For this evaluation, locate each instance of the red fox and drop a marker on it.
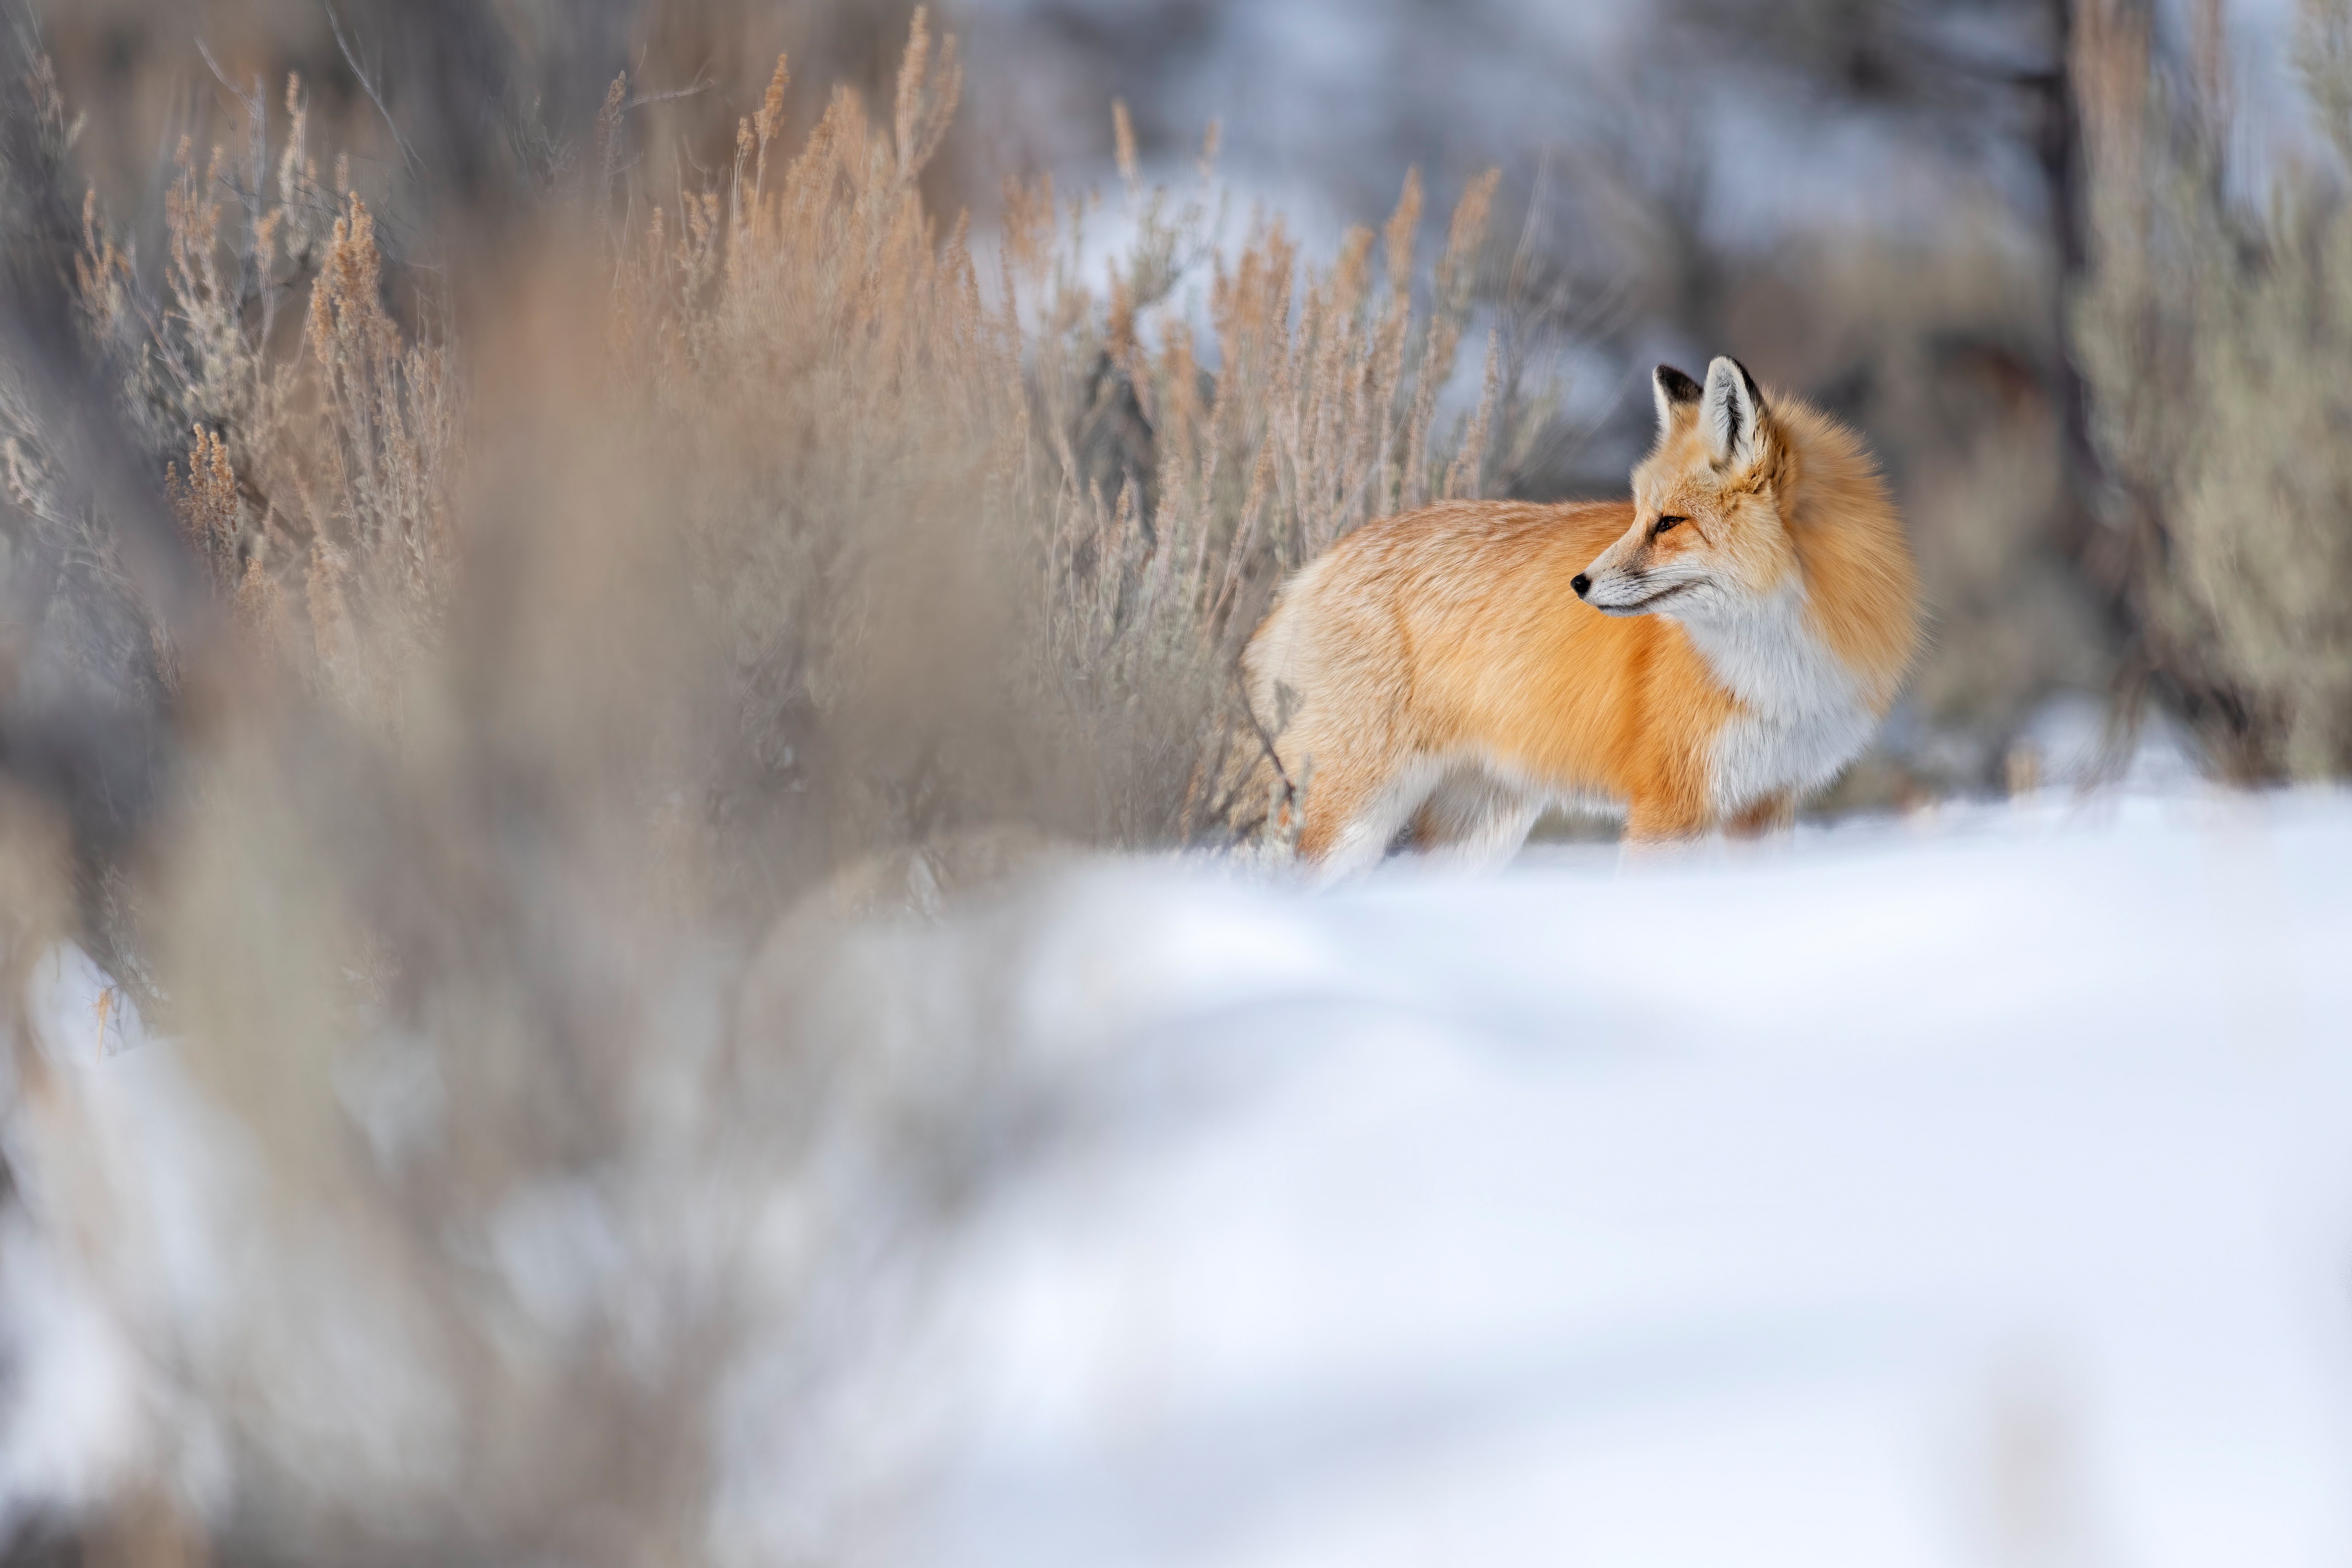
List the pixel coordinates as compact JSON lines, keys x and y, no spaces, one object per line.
{"x":1701,"y":655}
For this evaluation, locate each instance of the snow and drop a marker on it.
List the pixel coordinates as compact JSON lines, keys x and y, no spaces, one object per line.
{"x":1970,"y":1188}
{"x":1978,"y":1191}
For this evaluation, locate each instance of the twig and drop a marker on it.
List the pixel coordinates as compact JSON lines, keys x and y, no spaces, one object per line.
{"x":351,"y":58}
{"x":219,"y":74}
{"x":257,"y":122}
{"x":698,"y":88}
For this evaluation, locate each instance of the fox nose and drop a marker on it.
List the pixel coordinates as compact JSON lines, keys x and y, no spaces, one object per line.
{"x":1580,"y":583}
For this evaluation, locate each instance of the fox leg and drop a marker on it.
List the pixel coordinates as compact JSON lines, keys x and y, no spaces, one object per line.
{"x":1664,"y":819}
{"x":1773,"y":814}
{"x":1473,"y":820}
{"x":1355,"y":810}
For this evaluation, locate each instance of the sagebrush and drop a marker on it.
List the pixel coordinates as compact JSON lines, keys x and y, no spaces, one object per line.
{"x":552,"y":643}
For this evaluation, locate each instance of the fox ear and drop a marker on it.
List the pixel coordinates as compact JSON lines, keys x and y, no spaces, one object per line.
{"x":1732,"y":413}
{"x":1677,"y":396}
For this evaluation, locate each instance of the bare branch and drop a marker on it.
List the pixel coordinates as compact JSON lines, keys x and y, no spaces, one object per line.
{"x":367,"y":84}
{"x":695,"y":90}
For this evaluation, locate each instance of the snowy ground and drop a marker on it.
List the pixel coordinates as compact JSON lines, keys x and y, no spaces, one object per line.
{"x":1968,"y":1190}
{"x":1979,"y":1193}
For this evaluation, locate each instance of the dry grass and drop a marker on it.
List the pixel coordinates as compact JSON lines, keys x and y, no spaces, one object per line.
{"x":842,"y":391}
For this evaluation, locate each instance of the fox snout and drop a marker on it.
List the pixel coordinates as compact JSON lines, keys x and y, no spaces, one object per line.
{"x":1631,"y":590}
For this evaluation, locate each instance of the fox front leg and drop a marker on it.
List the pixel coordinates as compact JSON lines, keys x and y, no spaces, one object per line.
{"x":1773,"y":815}
{"x":1659,"y":820}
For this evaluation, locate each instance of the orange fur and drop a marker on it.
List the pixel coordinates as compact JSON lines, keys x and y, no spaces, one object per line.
{"x":1443,"y":674}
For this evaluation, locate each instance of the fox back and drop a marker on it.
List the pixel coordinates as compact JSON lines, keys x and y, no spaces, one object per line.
{"x":1702,"y":655}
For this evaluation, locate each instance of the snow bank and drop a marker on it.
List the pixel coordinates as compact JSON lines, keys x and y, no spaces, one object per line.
{"x":1971,"y":1189}
{"x":1978,"y":1191}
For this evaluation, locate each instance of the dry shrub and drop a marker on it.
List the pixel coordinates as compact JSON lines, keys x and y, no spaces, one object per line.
{"x":326,"y":441}
{"x":1321,"y":416}
{"x":2213,"y":327}
{"x":747,"y":532}
{"x":1014,"y":502}
{"x":1042,"y":513}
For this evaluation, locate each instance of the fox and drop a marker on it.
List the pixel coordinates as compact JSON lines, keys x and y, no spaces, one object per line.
{"x":1699,"y":657}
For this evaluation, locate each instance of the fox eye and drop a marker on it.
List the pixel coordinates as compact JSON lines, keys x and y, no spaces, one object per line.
{"x":1664,"y":524}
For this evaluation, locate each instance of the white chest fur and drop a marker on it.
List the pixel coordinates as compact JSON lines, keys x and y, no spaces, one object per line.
{"x":1804,"y":716}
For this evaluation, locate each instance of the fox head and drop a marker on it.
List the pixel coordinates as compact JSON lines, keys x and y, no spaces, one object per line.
{"x":1707,"y":534}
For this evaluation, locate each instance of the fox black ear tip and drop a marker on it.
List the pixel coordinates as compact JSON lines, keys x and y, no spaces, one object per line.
{"x":1678,"y":388}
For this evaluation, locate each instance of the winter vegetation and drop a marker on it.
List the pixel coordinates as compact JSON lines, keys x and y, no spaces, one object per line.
{"x":617,"y":734}
{"x":2209,"y":323}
